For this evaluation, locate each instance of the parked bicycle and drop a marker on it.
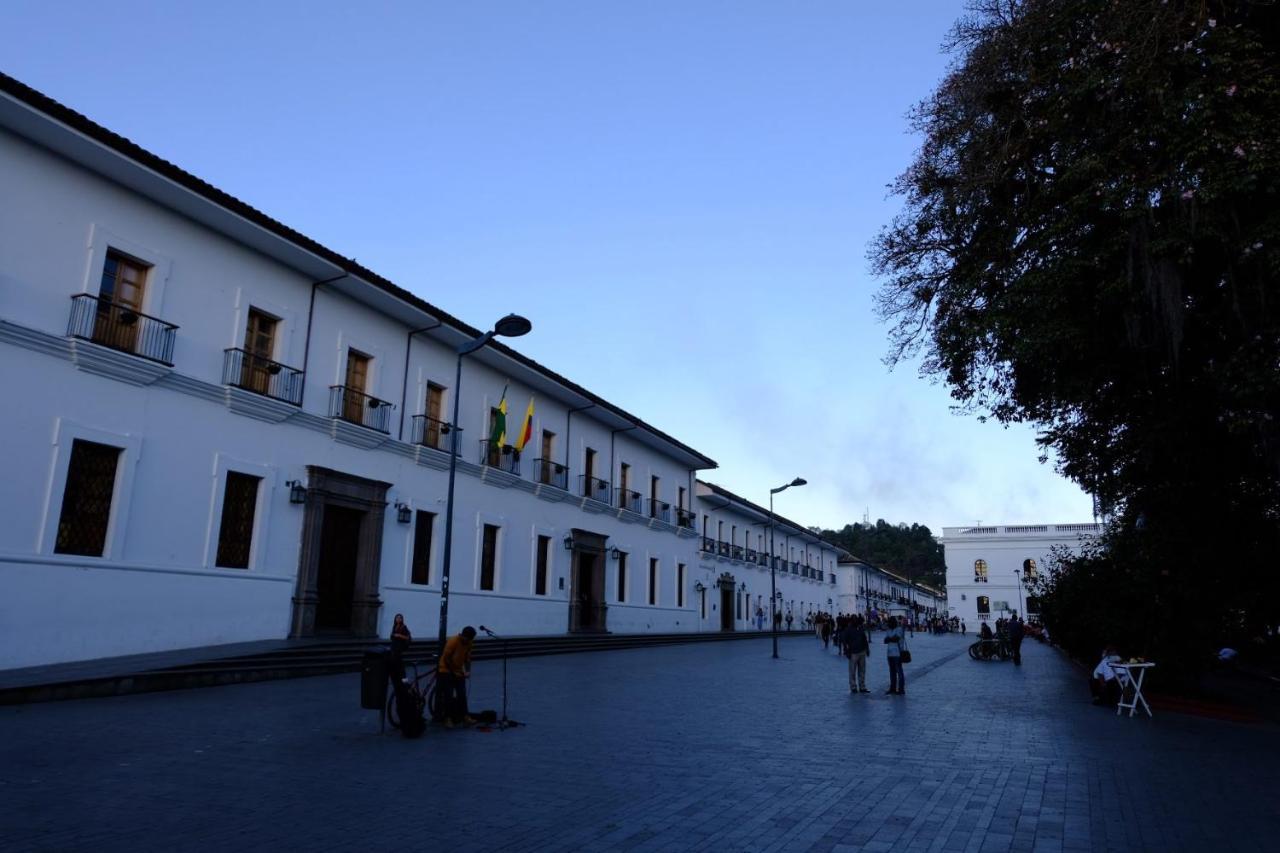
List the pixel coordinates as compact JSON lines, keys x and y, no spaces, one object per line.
{"x":422,"y":687}
{"x":995,"y":649}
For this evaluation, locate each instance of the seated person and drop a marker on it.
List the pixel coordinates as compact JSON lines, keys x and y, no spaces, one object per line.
{"x":1107,"y":683}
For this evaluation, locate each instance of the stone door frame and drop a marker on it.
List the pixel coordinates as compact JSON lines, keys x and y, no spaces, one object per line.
{"x":326,"y":487}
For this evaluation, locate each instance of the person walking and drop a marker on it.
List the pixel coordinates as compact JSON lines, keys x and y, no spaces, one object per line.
{"x":825,"y":631}
{"x":401,"y":637}
{"x":790,"y":618}
{"x":1017,"y":630}
{"x":893,"y":641}
{"x":856,"y":645}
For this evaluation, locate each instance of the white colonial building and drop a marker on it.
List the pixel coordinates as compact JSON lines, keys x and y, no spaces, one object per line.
{"x":219,"y":430}
{"x":872,"y":591}
{"x":987,"y":567}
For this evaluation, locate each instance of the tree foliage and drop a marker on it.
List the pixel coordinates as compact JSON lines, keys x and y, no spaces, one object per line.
{"x":908,"y":551}
{"x":1089,"y":243}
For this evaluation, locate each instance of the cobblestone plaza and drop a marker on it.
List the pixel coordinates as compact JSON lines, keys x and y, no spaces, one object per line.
{"x":706,"y":747}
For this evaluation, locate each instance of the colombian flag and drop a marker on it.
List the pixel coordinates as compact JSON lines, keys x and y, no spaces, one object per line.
{"x":526,"y":431}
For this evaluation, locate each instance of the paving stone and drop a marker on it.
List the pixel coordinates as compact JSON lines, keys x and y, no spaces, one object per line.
{"x":710,"y":747}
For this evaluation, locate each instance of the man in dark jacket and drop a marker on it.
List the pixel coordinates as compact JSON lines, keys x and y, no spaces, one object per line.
{"x":856,"y":644}
{"x":1016,"y":632}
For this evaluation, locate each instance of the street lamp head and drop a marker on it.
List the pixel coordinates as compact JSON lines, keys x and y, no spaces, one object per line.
{"x":799,"y":481}
{"x":512,"y":326}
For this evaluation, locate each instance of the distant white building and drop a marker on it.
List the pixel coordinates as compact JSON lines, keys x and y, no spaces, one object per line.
{"x":987,"y":566}
{"x":870,"y":590}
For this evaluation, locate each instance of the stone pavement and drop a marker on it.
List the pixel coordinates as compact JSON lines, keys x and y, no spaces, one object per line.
{"x":706,"y":747}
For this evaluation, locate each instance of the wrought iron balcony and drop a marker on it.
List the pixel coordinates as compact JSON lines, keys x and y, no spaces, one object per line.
{"x":751,"y":555}
{"x":243,"y":369}
{"x":551,"y":473}
{"x":433,"y":433}
{"x":685,"y":518}
{"x":594,"y":488}
{"x":736,"y":552}
{"x":503,"y":457}
{"x":357,"y":407}
{"x":660,"y":510}
{"x":630,"y":500}
{"x":708,"y":545}
{"x":105,"y":322}
{"x":722,"y":548}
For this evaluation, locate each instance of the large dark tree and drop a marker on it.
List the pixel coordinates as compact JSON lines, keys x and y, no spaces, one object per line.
{"x":909,"y":551}
{"x":1090,"y":243}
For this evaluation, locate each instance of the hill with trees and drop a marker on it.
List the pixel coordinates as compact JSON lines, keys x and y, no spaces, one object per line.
{"x":907,"y":550}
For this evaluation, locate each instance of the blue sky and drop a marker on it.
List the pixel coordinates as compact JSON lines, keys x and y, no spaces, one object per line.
{"x":679,"y":195}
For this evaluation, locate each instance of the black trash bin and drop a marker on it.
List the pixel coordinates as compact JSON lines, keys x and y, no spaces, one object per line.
{"x":373,"y":678}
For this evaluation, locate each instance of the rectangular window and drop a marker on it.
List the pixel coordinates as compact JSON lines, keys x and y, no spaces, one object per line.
{"x":120,"y":295}
{"x":653,"y":497}
{"x":653,"y":580}
{"x":353,"y":403}
{"x":488,"y":556}
{"x":737,"y":606}
{"x":680,"y":499}
{"x":433,"y":434}
{"x":423,"y":526}
{"x":235,"y":534}
{"x":86,"y":500}
{"x":622,"y":577}
{"x":259,"y":346}
{"x":702,"y":604}
{"x":544,"y":562}
{"x":589,"y":474}
{"x":680,"y":585}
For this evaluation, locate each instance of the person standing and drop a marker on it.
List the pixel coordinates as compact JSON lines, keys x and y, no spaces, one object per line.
{"x":1017,"y":630}
{"x":400,"y":640}
{"x":789,"y":620}
{"x":964,"y":629}
{"x":856,"y":645}
{"x":825,"y":631}
{"x":893,"y":642}
{"x":452,"y":675}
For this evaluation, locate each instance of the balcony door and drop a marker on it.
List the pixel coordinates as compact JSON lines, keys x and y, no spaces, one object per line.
{"x":435,"y":416}
{"x":259,"y":347}
{"x":357,"y":381}
{"x":120,"y":297}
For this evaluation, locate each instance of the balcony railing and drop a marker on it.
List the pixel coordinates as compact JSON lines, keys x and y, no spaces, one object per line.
{"x":736,"y":552}
{"x":357,"y":407}
{"x":722,"y":548}
{"x":751,"y":555}
{"x":551,"y":473}
{"x":660,"y":510}
{"x":433,"y":433}
{"x":503,"y":457}
{"x":104,"y":322}
{"x":631,"y":500}
{"x":685,"y":518}
{"x":260,"y":375}
{"x":708,"y":545}
{"x":594,"y":488}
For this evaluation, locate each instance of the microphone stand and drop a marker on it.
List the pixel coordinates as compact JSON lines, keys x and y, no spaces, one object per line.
{"x":503,"y":722}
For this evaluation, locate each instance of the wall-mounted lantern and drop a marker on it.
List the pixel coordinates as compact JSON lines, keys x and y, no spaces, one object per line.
{"x":698,"y":586}
{"x":614,"y":553}
{"x":568,"y":542}
{"x":403,"y":513}
{"x":297,"y":492}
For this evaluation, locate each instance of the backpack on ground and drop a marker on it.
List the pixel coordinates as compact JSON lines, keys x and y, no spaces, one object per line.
{"x":410,"y":705}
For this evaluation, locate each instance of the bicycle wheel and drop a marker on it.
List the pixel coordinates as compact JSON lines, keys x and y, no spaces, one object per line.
{"x":393,"y":715}
{"x":975,"y":651}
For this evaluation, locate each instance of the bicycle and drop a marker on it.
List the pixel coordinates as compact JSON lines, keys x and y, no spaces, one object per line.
{"x":996,"y":649}
{"x":422,"y":687}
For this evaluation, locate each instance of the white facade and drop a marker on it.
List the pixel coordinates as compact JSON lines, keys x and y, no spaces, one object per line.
{"x":986,"y":566}
{"x":141,"y":460}
{"x":873,"y":591}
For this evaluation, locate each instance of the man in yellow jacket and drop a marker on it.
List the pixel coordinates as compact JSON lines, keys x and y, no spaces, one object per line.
{"x":452,"y":675}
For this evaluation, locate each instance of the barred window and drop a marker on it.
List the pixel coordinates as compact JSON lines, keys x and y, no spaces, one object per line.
{"x":544,"y":559}
{"x":653,"y":580}
{"x":424,"y":523}
{"x":235,"y":534}
{"x":980,"y":571}
{"x":86,"y":499}
{"x":680,"y":585}
{"x":489,"y":557}
{"x":622,"y":577}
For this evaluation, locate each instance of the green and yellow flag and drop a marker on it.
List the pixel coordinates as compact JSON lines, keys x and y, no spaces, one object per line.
{"x":498,"y":435}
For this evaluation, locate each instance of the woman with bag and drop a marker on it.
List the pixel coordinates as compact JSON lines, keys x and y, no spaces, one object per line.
{"x":895,"y":642}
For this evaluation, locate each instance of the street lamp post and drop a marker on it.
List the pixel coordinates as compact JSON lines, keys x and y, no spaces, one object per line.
{"x":773,"y":565}
{"x":1021,"y":579}
{"x":510,"y":326}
